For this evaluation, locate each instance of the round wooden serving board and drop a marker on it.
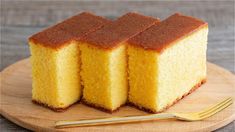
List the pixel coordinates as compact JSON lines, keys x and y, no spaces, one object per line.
{"x":16,"y":105}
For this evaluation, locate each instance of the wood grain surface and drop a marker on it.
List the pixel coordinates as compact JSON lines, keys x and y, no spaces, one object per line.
{"x":22,"y":18}
{"x":17,"y":106}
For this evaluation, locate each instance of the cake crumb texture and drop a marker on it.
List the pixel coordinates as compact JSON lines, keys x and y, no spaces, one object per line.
{"x":56,"y":79}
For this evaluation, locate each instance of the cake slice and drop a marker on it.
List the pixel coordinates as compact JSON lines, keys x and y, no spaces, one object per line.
{"x":166,"y":62}
{"x":103,"y":58}
{"x":55,"y":60}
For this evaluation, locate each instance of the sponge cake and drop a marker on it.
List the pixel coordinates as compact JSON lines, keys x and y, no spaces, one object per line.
{"x":167,"y":62}
{"x":104,"y":64}
{"x":55,"y":59}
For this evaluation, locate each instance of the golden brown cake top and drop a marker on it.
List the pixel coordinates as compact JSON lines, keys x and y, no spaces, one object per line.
{"x":163,"y":34}
{"x":73,"y":28}
{"x":125,"y":27}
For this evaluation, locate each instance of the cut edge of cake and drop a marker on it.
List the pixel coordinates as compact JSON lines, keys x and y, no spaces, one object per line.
{"x":106,"y":65}
{"x":57,"y":76}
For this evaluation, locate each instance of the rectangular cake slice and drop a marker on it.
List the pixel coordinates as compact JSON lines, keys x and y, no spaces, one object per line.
{"x":166,"y":62}
{"x":55,"y":60}
{"x":103,"y":58}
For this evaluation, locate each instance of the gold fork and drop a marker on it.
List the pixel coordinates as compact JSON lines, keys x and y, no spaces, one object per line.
{"x":194,"y":116}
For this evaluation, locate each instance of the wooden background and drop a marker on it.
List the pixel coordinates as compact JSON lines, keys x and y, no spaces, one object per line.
{"x":22,"y":18}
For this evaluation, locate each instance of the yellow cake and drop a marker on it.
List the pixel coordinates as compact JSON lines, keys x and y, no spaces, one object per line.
{"x":167,"y":62}
{"x":103,"y":58}
{"x":55,"y":60}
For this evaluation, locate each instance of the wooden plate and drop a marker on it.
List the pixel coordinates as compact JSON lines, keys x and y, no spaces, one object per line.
{"x":16,"y":105}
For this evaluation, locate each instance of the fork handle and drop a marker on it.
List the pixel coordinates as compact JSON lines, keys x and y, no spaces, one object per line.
{"x":112,"y":120}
